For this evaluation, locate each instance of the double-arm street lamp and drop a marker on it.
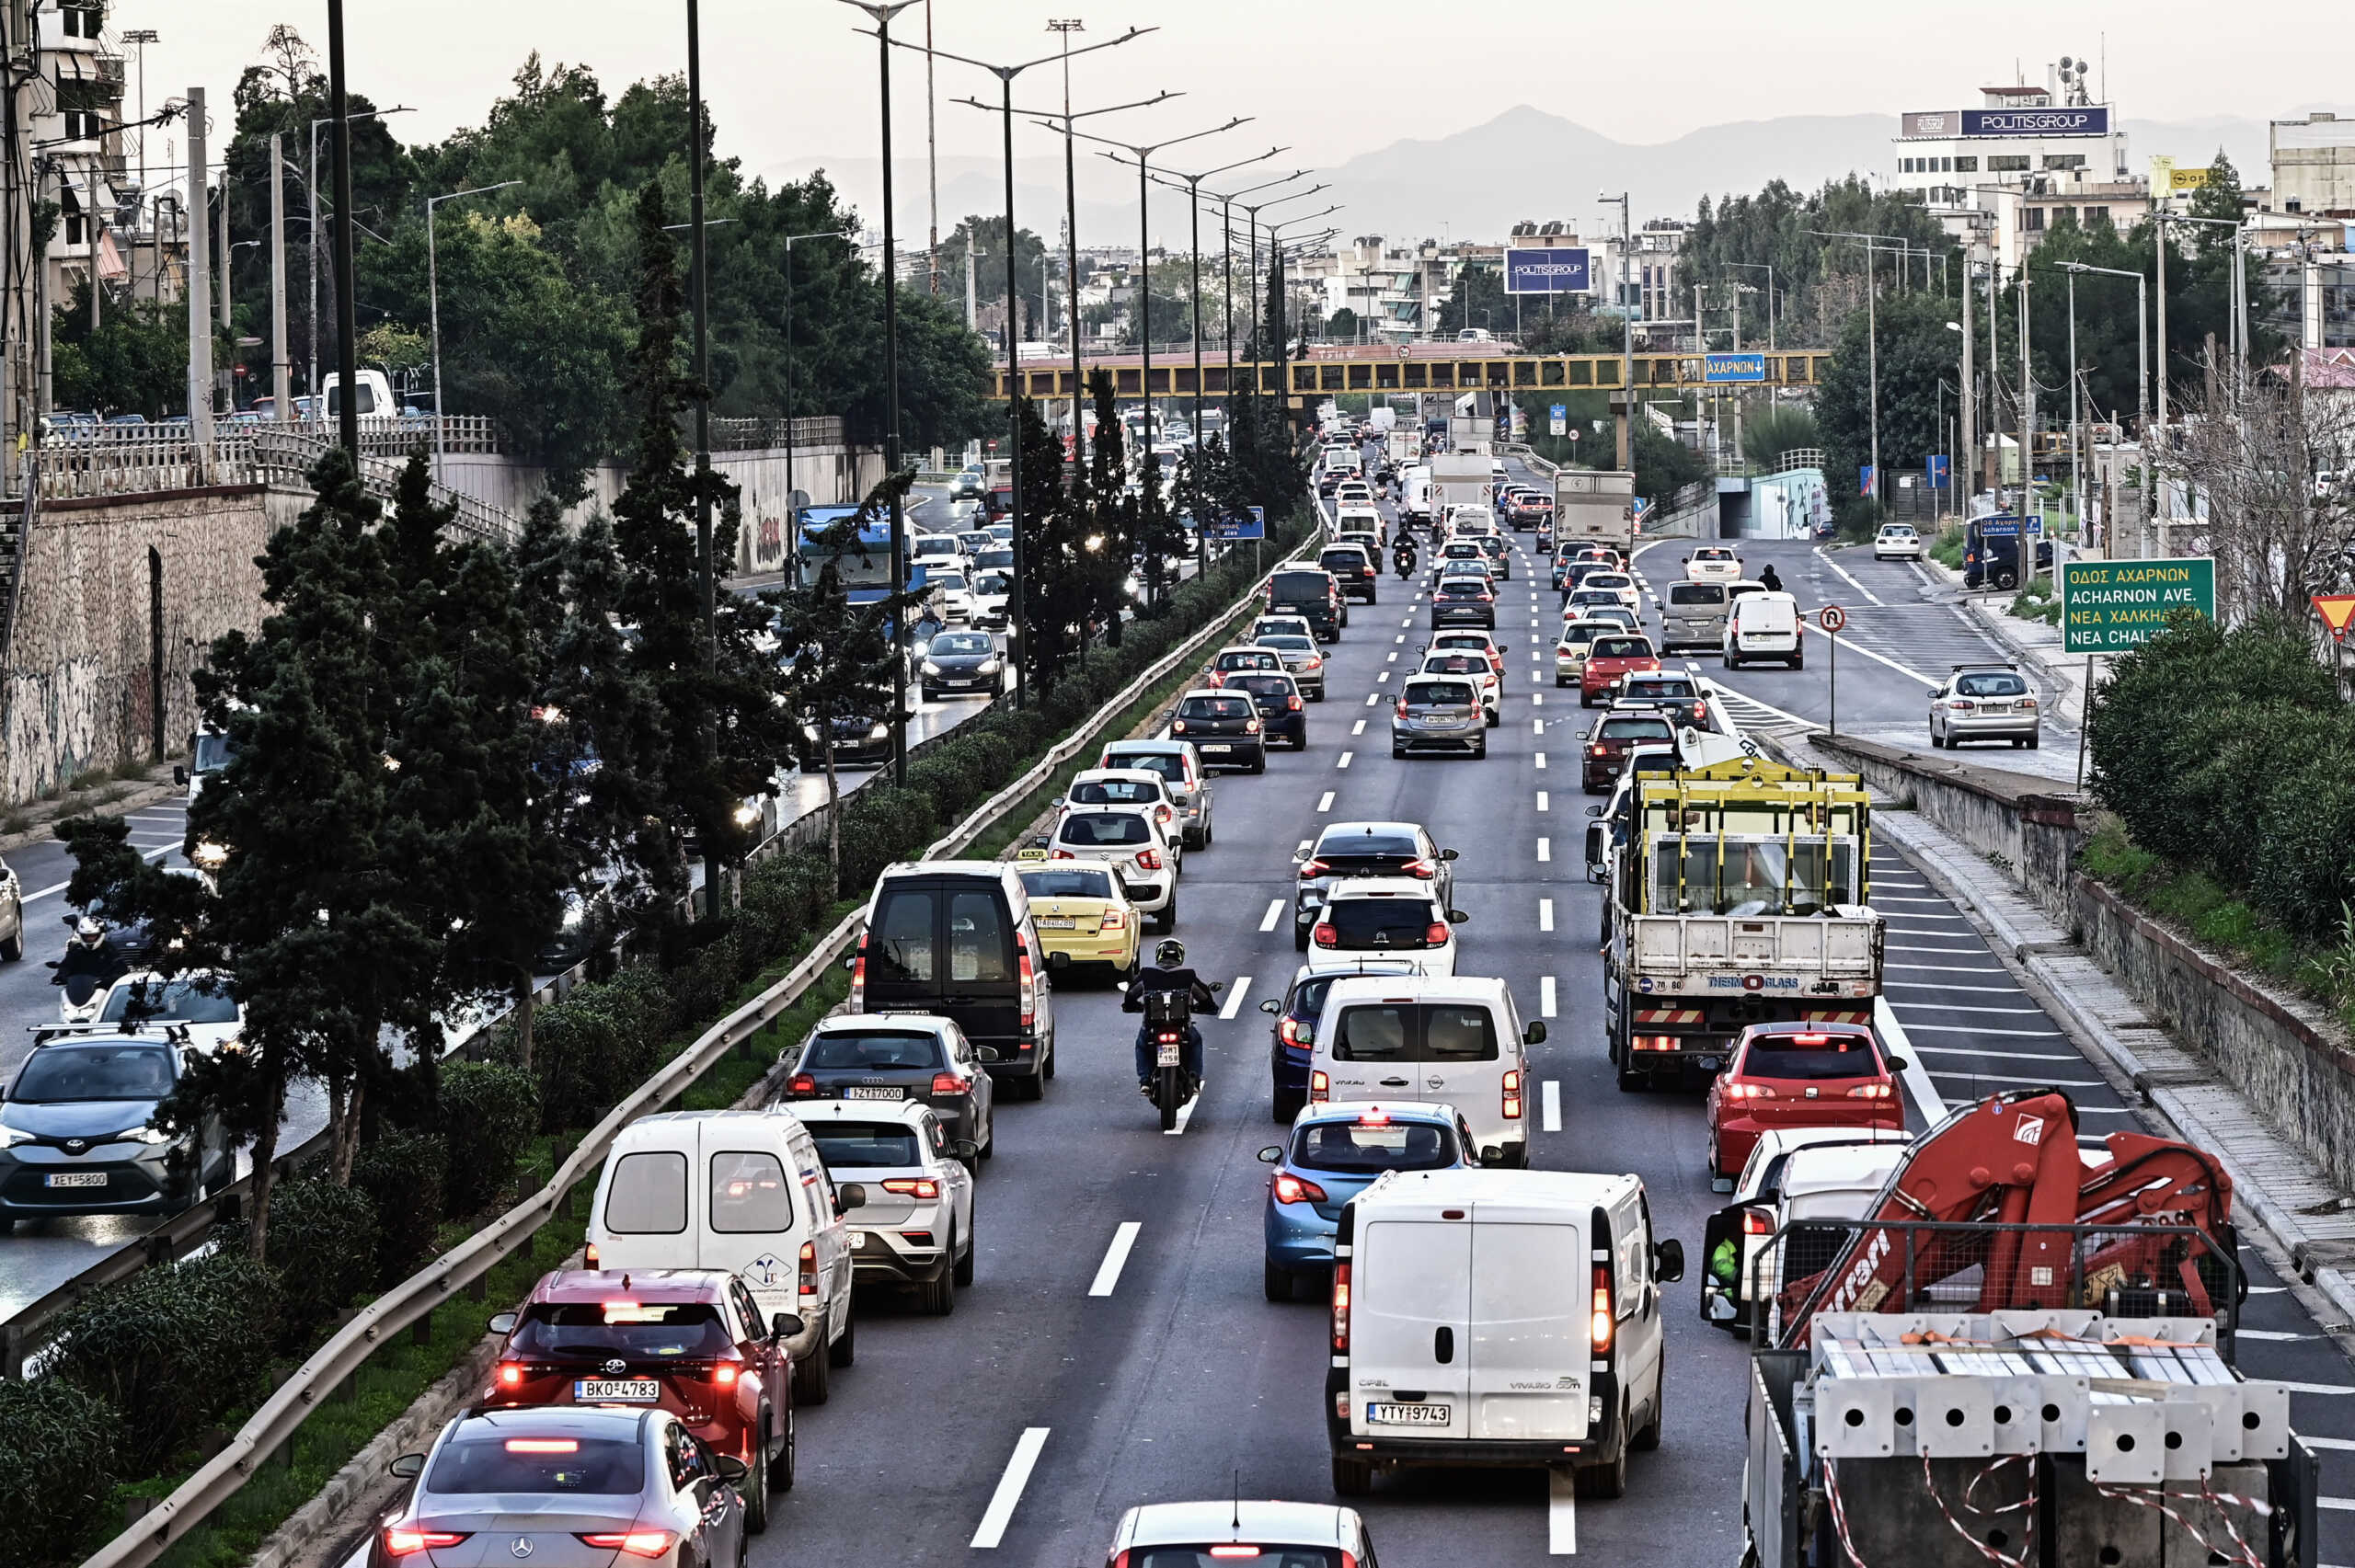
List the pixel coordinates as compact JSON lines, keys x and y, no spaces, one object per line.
{"x":433,"y":310}
{"x":1018,"y":620}
{"x":1251,"y":210}
{"x":1276,"y":248}
{"x":1226,"y":265}
{"x":1872,"y":338}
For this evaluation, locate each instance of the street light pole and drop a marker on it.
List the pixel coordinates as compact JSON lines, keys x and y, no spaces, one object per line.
{"x":792,"y":508}
{"x":1627,"y":336}
{"x":347,"y":351}
{"x":1226,"y":243}
{"x":2142,"y":357}
{"x":1251,"y":211}
{"x":433,"y":309}
{"x":1193,"y":185}
{"x":700,"y":273}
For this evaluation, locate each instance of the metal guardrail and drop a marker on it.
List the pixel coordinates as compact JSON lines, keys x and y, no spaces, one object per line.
{"x":292,"y":1403}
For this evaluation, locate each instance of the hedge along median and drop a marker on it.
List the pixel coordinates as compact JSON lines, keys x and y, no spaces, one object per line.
{"x":439,"y":1162}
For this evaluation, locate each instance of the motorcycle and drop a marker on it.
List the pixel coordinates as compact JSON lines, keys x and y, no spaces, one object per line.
{"x":1405,"y":565}
{"x":1168,"y":1015}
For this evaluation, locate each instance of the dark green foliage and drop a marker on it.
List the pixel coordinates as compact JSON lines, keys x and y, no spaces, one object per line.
{"x":1817,"y":280}
{"x":1916,"y":349}
{"x":324,"y":1248}
{"x":403,"y":1174}
{"x":57,"y":1465}
{"x":881,"y":825}
{"x":489,"y":1112}
{"x":172,"y":1347}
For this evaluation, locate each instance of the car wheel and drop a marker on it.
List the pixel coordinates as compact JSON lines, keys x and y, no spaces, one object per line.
{"x":1048,"y":1070}
{"x":781,"y":1468}
{"x":1481,"y":751}
{"x":1300,"y":932}
{"x":755,"y":1490}
{"x":845,"y":1351}
{"x":2033,"y":742}
{"x":13,"y":949}
{"x":1260,"y":762}
{"x":1560,"y":682}
{"x":1195,"y":839}
{"x":963,"y":1269}
{"x":939,"y":1296}
{"x":1351,"y":1478}
{"x":1798,"y":661}
{"x":1609,"y":1479}
{"x":813,"y":1375}
{"x":1166,"y":922}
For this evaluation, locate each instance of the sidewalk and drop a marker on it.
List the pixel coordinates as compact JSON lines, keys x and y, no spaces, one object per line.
{"x":2276,"y":1186}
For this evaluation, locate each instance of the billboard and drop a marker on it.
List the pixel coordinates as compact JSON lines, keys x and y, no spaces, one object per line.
{"x":1931,"y":122}
{"x":2088,"y":120}
{"x":1565,"y":270}
{"x":1744,"y":367}
{"x":1251,"y":522}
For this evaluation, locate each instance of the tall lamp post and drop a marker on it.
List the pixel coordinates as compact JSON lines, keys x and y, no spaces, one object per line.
{"x":2142,"y":355}
{"x":1193,"y":187}
{"x":311,"y":187}
{"x":1251,"y":210}
{"x":1626,"y":421}
{"x":1276,"y":248}
{"x":1018,"y":620}
{"x":1872,"y":337}
{"x":881,"y":12}
{"x":792,"y":508}
{"x":1226,"y":265}
{"x":433,"y":310}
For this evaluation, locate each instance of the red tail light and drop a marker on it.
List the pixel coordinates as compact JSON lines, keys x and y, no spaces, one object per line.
{"x":725,"y":1373}
{"x":1512,"y":1095}
{"x":1435,"y":935}
{"x":1318,"y":867}
{"x":1162,"y":815}
{"x":1320,"y":1088}
{"x":1061,"y":854}
{"x":1599,"y":749}
{"x":1402,"y":708}
{"x":636,"y":1543}
{"x":1324,"y":935}
{"x":1251,"y":727}
{"x":1873,"y":1092}
{"x":1178,"y":727}
{"x":1341,"y":1308}
{"x":400,"y":1540}
{"x":589,"y":1256}
{"x":1293,"y":704}
{"x":1700,"y":713}
{"x":858,"y":978}
{"x":1603,"y":1318}
{"x":510,"y":1374}
{"x":1289,"y":1188}
{"x":912,"y":1186}
{"x":1218,"y":678}
{"x":1421,"y":869}
{"x":1027,"y":974}
{"x":950,"y":1084}
{"x":1754,"y":1223}
{"x":1962,"y":704}
{"x":809,"y":1269}
{"x":2027,"y":702}
{"x":801,"y":1083}
{"x":1748,"y":1092}
{"x":1148,"y":860}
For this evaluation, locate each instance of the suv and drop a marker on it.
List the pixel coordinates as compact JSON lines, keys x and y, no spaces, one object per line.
{"x":916,"y":1227}
{"x":77,"y":1133}
{"x":1130,"y":840}
{"x":1281,"y":717}
{"x":1615,"y":734}
{"x":1438,"y":713}
{"x":1676,"y":697}
{"x":1309,"y":591}
{"x":1293,"y":1039}
{"x":906,"y":1059}
{"x":689,"y":1341}
{"x":1353,"y":569}
{"x":1384,"y":917}
{"x":953,"y":938}
{"x":1181,"y":772}
{"x":1346,"y":851}
{"x":1464,"y":601}
{"x":1223,"y":727}
{"x":1985,"y":702}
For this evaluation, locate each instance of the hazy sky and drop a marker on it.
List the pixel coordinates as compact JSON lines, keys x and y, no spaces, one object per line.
{"x":791,"y":83}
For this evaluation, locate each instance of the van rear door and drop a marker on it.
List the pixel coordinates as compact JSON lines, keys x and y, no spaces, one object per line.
{"x":1531,"y":1279}
{"x":756,"y":1206}
{"x":1375,"y":1049}
{"x":1461,"y":1061}
{"x":982,"y":988}
{"x":1409,"y":1311}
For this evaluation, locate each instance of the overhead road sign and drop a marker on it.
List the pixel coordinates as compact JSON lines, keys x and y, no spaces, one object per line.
{"x":1562,"y":269}
{"x":1250,"y":522}
{"x":1716,"y":369}
{"x":2113,"y":606}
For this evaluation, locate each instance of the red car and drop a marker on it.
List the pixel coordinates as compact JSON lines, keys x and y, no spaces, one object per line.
{"x":1796,"y":1075}
{"x":1609,"y":657}
{"x":689,"y":1341}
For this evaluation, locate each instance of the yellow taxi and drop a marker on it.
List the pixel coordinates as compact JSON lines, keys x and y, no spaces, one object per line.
{"x":1082,"y":915}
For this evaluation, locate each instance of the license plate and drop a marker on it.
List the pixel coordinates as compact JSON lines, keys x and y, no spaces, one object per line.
{"x":959,"y":680}
{"x":1994,"y":707}
{"x":1217,"y":749}
{"x":862,"y":1091}
{"x":855,"y":1237}
{"x":77,"y":1179}
{"x":611,"y":1390}
{"x":1167,"y":1056}
{"x":1409,"y":1415}
{"x":1057,"y":923}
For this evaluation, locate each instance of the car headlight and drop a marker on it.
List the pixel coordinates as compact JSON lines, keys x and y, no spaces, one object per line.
{"x":145,"y":1135}
{"x":989,"y":667}
{"x":576,"y":915}
{"x":11,"y":1135}
{"x":930,"y":668}
{"x":880,"y":732}
{"x":809,"y":733}
{"x":747,"y":814}
{"x":208,"y":855}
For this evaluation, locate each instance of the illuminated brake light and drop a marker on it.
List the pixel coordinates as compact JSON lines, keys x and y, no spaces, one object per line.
{"x":401,"y":1542}
{"x":950,"y":1084}
{"x":1324,"y":935}
{"x":1251,"y":727}
{"x":1289,"y":1188}
{"x":1291,"y":704}
{"x":589,"y":1256}
{"x":1375,"y":1118}
{"x":801,"y":1083}
{"x":857,"y":980}
{"x":1148,"y":860}
{"x":1873,"y":1092}
{"x":1178,"y":727}
{"x":1599,"y":749}
{"x":1748,"y":1092}
{"x":1435,"y":935}
{"x":912,"y":1186}
{"x":1318,"y":867}
{"x":1654,"y":1042}
{"x":1234,"y":1552}
{"x":1113,"y":921}
{"x":1029,"y":976}
{"x":1342,"y":1307}
{"x":1603,"y":1318}
{"x":809,"y":1269}
{"x":636,"y":1543}
{"x":1810,"y":1039}
{"x":1753,"y":1223}
{"x":510,"y":1374}
{"x":725,"y":1374}
{"x":1320,"y":1088}
{"x":543,"y":1445}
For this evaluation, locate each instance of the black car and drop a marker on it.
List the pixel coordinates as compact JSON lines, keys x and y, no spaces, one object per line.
{"x":1224,"y":727}
{"x":1283,"y":716}
{"x":1310,"y":592}
{"x":961,"y":664}
{"x":862,"y":739}
{"x":1676,"y":697}
{"x":1492,"y":545}
{"x":858,"y":1056}
{"x":1349,"y":850}
{"x":1463,"y":602}
{"x":1353,"y":569}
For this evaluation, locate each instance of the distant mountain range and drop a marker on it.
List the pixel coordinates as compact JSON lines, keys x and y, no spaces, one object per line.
{"x":1525,"y":164}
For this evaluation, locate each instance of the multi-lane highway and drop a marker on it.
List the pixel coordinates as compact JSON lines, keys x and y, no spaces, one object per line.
{"x":1116,"y":1347}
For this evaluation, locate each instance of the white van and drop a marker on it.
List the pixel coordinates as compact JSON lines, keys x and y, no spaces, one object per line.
{"x":1496,"y":1318}
{"x":1793,"y":1176}
{"x":1763,"y":625}
{"x":1415,"y":493}
{"x":743,"y":1191}
{"x":1457,"y":1039}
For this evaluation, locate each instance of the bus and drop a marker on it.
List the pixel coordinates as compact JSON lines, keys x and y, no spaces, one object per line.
{"x":866,"y":571}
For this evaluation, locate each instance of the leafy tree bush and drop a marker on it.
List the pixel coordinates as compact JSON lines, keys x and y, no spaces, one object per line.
{"x":489,"y":1112}
{"x":57,"y":1465}
{"x":324,"y":1255}
{"x":404,"y":1173}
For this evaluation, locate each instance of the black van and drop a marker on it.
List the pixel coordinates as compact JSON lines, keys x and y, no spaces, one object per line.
{"x":1312,"y":592}
{"x":953,"y":938}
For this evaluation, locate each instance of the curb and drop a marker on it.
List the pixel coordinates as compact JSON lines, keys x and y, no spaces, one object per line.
{"x":140,"y":797}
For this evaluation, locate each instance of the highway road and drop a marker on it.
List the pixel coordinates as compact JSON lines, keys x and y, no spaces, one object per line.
{"x":1084,"y":1372}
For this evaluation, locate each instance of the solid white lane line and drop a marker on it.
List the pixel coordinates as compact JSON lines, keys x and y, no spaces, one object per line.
{"x":1958,"y":1007}
{"x":1008,"y":1495}
{"x":1544,"y":802}
{"x":1852,"y":582}
{"x":1324,"y":801}
{"x":1275,"y":912}
{"x":1982,"y":1029}
{"x":1234,"y":995}
{"x":1927,"y":1098}
{"x":1943,"y":985}
{"x":1544,"y":849}
{"x":1949,"y":952}
{"x":1545,"y":914}
{"x":1185,"y":1112}
{"x":1358,"y":728}
{"x":1551,"y":1106}
{"x":2014,"y":1078}
{"x":1562,"y":1513}
{"x":50,"y":892}
{"x":2282,"y":1334}
{"x":1344,"y":760}
{"x":1948,"y":970}
{"x":1115,"y":1257}
{"x":1545,"y":997}
{"x":1541,"y":758}
{"x":1852,"y":644}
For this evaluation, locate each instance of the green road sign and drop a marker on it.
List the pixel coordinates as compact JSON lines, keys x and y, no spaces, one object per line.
{"x":2112,"y":606}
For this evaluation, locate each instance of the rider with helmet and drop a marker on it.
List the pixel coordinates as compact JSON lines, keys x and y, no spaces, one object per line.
{"x":89,"y":951}
{"x":1170,"y":973}
{"x":1403,"y":554}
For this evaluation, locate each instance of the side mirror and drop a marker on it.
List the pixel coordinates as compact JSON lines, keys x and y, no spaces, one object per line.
{"x":503,"y":1323}
{"x":1447,"y":854}
{"x":1056,"y":801}
{"x":408,"y":1467}
{"x":851,"y":962}
{"x":1504,"y":647}
{"x":1596,"y":809}
{"x":1456,"y":917}
{"x":1270,"y":1154}
{"x":1899,"y":1064}
{"x":1299,"y":857}
{"x":179,"y":775}
{"x":850,"y":1195}
{"x":1668,"y":1261}
{"x":784,"y":1325}
{"x":1535,"y":1035}
{"x":731,"y":1469}
{"x":1272,"y":1007}
{"x":964,"y":1149}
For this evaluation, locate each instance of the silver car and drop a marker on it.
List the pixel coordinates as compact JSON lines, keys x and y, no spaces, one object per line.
{"x":1180,"y":767}
{"x":77,"y":1133}
{"x":1985,"y":702}
{"x":1304,"y":661}
{"x":567,"y":1486}
{"x":1438,"y":713}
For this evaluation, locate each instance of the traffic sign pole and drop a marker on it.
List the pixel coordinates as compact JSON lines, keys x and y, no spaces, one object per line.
{"x":1833,"y":618}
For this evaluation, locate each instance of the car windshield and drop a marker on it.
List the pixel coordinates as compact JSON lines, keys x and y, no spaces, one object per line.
{"x":1622,"y":648}
{"x":1060,"y":884}
{"x":1369,"y":1149}
{"x":1095,"y":830}
{"x":1290,"y":642}
{"x":1301,"y":585}
{"x":987,"y":583}
{"x":1456,"y":664}
{"x":597,"y":1467}
{"x":1267,"y":686}
{"x":866,"y":1145}
{"x":1349,"y":560}
{"x":649,"y":1330}
{"x":998,"y":560}
{"x":955,"y":643}
{"x":2002,"y":685}
{"x":1361,"y":842}
{"x":953,"y":581}
{"x":1581,"y":632}
{"x":875,"y":1049}
{"x":1115,"y":792}
{"x":66,"y":1075}
{"x":1697,"y":593}
{"x":1660,"y":686}
{"x":169,"y":1002}
{"x":1630,"y":728}
{"x":1214,"y":707}
{"x":1812,"y":1056}
{"x":1438,"y":693}
{"x":1255,"y":659}
{"x":1169,"y":764}
{"x":1380,"y":923}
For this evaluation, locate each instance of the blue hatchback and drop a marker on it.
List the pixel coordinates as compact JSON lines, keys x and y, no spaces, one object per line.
{"x":1293,"y":1039}
{"x":1334,"y":1154}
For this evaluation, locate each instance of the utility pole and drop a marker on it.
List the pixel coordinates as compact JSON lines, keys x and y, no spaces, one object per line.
{"x":281,"y":358}
{"x":200,"y":311}
{"x":140,"y":38}
{"x":1627,"y":339}
{"x":1968,"y":411}
{"x":973,"y":253}
{"x":346,"y":350}
{"x":2027,"y":407}
{"x":931,"y":158}
{"x":701,"y":284}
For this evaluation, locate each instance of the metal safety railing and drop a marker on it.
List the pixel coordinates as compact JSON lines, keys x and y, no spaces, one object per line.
{"x":288,"y":1406}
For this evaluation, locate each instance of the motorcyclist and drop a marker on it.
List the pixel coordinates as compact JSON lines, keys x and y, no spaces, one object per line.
{"x":1170,"y":973}
{"x":1403,"y":553}
{"x":89,"y":951}
{"x":1772,"y":584}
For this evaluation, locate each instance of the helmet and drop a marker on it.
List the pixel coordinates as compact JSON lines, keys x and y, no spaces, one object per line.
{"x":89,"y":932}
{"x":1169,"y":954}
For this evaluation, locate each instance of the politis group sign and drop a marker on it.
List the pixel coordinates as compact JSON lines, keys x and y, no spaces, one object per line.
{"x":2112,"y":606}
